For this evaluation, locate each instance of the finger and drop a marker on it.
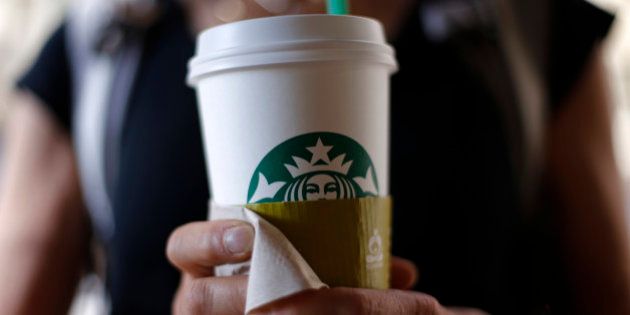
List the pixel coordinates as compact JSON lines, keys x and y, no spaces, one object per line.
{"x":183,"y":282}
{"x":214,"y":295}
{"x":324,"y":301}
{"x":361,"y":301}
{"x":404,"y":274}
{"x":197,"y":247}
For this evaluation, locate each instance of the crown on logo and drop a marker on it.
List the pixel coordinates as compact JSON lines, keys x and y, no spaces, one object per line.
{"x":320,"y":153}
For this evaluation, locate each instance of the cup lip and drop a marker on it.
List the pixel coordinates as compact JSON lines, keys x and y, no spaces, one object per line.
{"x":369,"y":46}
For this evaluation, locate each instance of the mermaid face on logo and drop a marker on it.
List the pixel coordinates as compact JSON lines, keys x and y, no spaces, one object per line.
{"x":322,"y":187}
{"x":296,"y":176}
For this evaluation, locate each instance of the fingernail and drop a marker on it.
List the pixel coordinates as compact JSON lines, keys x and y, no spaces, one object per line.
{"x":239,"y":239}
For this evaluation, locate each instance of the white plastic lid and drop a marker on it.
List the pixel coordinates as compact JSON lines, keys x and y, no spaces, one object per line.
{"x":290,"y":39}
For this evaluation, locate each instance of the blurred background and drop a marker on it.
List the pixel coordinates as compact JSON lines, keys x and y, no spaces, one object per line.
{"x":25,"y":24}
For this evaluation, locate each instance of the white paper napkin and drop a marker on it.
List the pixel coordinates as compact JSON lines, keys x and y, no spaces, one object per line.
{"x":276,"y":269}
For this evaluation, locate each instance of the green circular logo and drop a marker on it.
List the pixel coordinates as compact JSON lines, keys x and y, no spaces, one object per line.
{"x":314,"y":166}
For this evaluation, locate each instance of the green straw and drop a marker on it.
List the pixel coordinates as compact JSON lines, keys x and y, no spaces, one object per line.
{"x":338,"y":7}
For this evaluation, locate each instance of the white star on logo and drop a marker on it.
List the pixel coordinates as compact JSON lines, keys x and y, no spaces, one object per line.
{"x":265,"y":189}
{"x":367,"y":183}
{"x":320,"y":152}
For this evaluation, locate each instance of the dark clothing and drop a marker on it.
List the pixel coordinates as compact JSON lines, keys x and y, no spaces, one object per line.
{"x":50,"y":77}
{"x":458,"y":213}
{"x":576,"y":28}
{"x":162,"y":177}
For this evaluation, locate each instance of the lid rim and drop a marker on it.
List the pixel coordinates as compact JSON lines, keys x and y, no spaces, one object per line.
{"x":310,"y":45}
{"x":210,"y":68}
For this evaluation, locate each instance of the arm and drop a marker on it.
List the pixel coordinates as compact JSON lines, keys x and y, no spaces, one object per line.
{"x":586,"y":181}
{"x":43,"y":228}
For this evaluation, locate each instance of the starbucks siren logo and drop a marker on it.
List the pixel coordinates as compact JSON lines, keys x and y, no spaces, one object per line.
{"x":314,"y":166}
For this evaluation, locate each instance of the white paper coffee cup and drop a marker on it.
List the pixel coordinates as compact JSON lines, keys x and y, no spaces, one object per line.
{"x":294,"y":108}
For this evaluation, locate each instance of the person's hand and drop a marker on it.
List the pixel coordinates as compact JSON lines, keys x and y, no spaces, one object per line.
{"x":197,"y":248}
{"x":208,"y":13}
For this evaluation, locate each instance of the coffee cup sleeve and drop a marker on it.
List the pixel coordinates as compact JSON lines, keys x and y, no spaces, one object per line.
{"x":308,"y":245}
